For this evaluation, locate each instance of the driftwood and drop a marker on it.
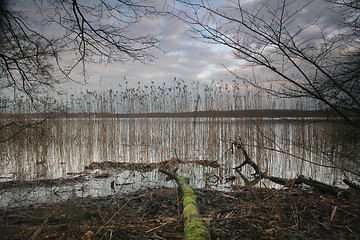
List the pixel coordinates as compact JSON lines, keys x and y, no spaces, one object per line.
{"x":325,"y":188}
{"x":194,"y":227}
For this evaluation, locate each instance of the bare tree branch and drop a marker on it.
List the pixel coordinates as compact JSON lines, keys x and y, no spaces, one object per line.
{"x":32,"y":58}
{"x":43,"y":44}
{"x":270,"y":37}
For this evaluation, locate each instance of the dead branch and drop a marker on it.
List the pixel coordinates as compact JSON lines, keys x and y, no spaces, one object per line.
{"x":284,"y":181}
{"x":38,"y":231}
{"x":239,"y":145}
{"x":351,"y":184}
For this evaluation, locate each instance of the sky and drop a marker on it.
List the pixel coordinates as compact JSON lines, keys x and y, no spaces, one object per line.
{"x":189,"y":59}
{"x":181,"y":56}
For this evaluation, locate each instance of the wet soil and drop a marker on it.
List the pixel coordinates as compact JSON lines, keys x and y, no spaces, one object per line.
{"x":245,"y":213}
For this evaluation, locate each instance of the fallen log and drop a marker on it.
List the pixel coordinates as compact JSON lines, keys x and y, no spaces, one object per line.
{"x":284,"y":181}
{"x":194,"y":227}
{"x":322,"y":187}
{"x":352,"y":184}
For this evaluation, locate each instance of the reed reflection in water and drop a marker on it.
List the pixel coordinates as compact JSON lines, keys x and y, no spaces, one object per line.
{"x":285,"y":148}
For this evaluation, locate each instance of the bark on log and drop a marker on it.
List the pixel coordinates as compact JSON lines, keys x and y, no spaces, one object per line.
{"x":352,"y":184}
{"x":284,"y":181}
{"x":194,"y":227}
{"x":322,"y":187}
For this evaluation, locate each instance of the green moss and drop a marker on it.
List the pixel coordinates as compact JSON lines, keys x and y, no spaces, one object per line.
{"x":183,"y":180}
{"x":187,"y":190}
{"x":195,"y":229}
{"x":190,"y":210}
{"x":188,"y":199}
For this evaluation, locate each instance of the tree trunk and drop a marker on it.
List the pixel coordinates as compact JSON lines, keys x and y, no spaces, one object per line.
{"x":194,"y":227}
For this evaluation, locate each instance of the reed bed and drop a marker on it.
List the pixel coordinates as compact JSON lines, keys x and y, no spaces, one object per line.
{"x":66,"y":144}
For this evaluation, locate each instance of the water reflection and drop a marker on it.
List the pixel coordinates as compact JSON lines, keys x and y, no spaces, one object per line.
{"x":65,"y":146}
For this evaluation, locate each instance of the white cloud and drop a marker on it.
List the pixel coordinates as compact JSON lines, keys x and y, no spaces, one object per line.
{"x":184,"y":57}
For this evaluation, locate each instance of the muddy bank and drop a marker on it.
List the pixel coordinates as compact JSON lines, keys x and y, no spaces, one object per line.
{"x":101,"y":179}
{"x":245,"y":213}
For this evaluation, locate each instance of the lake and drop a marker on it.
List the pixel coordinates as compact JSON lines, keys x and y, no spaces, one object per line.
{"x":62,"y":148}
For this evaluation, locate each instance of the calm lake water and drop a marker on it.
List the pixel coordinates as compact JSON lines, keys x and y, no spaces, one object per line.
{"x":63,"y":147}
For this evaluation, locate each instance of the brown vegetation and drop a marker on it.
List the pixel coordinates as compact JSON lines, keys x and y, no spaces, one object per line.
{"x":249,"y":213}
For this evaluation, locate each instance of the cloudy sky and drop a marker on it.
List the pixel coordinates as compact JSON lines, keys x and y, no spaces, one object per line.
{"x":184,"y":57}
{"x":180,"y":56}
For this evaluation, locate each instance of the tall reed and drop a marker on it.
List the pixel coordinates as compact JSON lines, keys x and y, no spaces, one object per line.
{"x":94,"y":132}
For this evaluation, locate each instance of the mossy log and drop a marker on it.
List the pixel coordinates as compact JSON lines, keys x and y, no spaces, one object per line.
{"x":194,"y":227}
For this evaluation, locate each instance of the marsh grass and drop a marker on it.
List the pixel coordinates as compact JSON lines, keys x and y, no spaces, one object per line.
{"x":66,"y":144}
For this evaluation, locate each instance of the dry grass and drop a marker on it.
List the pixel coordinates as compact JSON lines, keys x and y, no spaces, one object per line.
{"x":68,"y":144}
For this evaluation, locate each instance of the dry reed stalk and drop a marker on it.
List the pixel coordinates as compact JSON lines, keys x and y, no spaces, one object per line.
{"x":40,"y":228}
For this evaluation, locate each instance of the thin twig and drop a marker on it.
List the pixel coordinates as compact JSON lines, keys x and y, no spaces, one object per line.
{"x":38,"y":231}
{"x":156,"y":227}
